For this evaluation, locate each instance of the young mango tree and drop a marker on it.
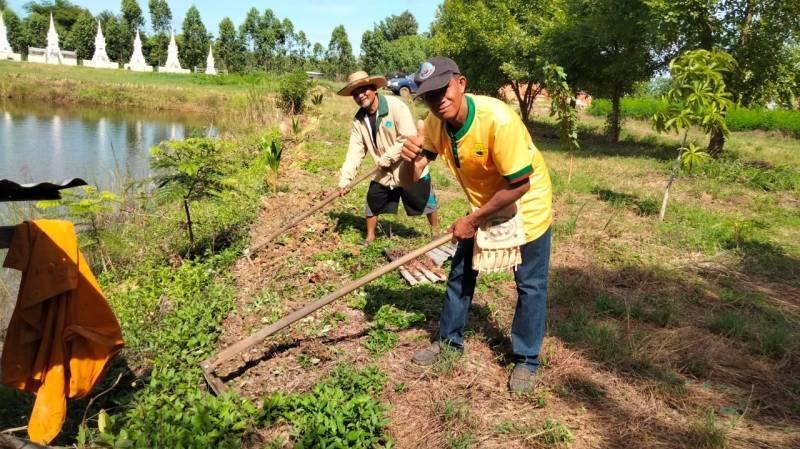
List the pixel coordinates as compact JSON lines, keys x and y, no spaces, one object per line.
{"x":190,"y":170}
{"x":696,"y":98}
{"x":562,"y":108}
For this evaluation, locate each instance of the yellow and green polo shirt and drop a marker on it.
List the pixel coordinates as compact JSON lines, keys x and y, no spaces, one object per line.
{"x":492,"y":148}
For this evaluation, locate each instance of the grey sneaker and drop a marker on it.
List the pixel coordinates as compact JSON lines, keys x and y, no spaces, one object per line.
{"x":522,"y":380}
{"x":427,"y":356}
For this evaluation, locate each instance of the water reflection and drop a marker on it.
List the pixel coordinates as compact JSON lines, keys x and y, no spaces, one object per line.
{"x":105,"y":147}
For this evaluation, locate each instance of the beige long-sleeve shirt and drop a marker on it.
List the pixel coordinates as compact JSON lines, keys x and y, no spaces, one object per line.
{"x":394,"y":123}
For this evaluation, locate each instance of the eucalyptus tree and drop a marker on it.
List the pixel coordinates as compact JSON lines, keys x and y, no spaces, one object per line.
{"x":339,"y":56}
{"x":394,"y":45}
{"x":194,"y":50}
{"x":230,"y":49}
{"x":132,"y":14}
{"x":161,"y":23}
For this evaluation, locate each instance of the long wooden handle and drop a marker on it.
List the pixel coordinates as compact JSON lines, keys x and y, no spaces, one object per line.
{"x":293,"y":222}
{"x":243,"y":345}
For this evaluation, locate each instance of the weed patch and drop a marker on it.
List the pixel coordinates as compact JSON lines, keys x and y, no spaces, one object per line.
{"x":706,"y":433}
{"x":339,"y":412}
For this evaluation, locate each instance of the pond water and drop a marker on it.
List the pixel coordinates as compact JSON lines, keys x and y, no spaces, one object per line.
{"x":106,"y":147}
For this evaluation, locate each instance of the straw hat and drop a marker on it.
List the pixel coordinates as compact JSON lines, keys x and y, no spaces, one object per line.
{"x":361,"y":78}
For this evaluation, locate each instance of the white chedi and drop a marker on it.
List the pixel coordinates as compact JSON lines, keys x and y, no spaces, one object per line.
{"x":137,"y":62}
{"x":210,"y":69}
{"x":53,"y":53}
{"x":173,"y":65}
{"x":100,"y":59}
{"x":6,"y":52}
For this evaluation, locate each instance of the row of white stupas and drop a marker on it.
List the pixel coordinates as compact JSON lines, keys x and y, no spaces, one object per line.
{"x":100,"y":60}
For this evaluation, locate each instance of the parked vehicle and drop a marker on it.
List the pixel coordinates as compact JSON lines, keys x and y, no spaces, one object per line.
{"x":402,"y":85}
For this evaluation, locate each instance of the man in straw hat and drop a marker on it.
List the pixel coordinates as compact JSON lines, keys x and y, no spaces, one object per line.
{"x":379,"y":129}
{"x":505,"y":179}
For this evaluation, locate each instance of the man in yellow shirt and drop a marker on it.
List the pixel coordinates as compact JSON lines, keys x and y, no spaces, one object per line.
{"x":489,"y":150}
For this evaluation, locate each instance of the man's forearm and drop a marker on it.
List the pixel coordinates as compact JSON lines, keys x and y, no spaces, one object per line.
{"x":501,"y":199}
{"x":410,"y":172}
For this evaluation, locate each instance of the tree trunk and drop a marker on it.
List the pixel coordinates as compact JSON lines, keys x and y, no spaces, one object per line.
{"x":614,"y":119}
{"x":716,"y":143}
{"x":675,"y":166}
{"x":188,"y":221}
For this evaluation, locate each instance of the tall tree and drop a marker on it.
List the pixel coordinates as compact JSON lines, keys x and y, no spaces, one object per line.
{"x":340,"y":52}
{"x":757,"y":33}
{"x":393,"y":45}
{"x":394,"y":27}
{"x":132,"y":14}
{"x":15,"y":30}
{"x":496,"y":43}
{"x":230,"y":49}
{"x":160,"y":16}
{"x":318,"y":56}
{"x":81,"y":37}
{"x":119,"y":38}
{"x":249,"y":28}
{"x":65,"y":13}
{"x":195,"y":40}
{"x":269,"y":37}
{"x":606,"y":47}
{"x":36,"y":26}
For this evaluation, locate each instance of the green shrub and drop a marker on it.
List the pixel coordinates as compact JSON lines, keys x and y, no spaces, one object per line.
{"x":293,"y":90}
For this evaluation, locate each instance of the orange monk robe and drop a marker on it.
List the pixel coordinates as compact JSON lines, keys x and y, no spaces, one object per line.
{"x":62,"y":333}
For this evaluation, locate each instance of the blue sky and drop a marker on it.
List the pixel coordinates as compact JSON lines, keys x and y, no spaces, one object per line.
{"x":316,"y":18}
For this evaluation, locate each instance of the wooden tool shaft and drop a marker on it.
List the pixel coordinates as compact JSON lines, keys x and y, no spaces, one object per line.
{"x":243,"y":345}
{"x":293,"y":222}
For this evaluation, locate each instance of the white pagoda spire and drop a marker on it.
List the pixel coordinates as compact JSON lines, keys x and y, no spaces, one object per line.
{"x":137,"y":62}
{"x":173,"y":65}
{"x":100,"y":59}
{"x":53,"y":54}
{"x":100,"y":54}
{"x":5,"y":47}
{"x":210,"y":69}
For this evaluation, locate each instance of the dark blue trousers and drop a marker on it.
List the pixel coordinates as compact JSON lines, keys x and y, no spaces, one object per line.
{"x":527,"y":330}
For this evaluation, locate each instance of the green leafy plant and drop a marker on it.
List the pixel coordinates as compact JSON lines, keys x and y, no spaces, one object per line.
{"x":87,"y":205}
{"x":340,"y":412}
{"x":380,"y":341}
{"x":561,"y":107}
{"x":271,"y":150}
{"x":697,"y":98}
{"x":189,"y":170}
{"x":316,"y":99}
